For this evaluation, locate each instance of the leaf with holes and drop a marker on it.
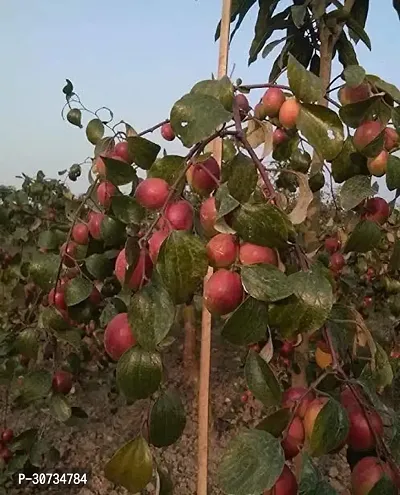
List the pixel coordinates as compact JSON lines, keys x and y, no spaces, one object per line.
{"x":305,"y":85}
{"x":167,"y":419}
{"x":142,"y":151}
{"x":265,"y":282}
{"x":261,"y":380}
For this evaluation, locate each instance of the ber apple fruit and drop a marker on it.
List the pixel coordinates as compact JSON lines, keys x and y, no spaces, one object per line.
{"x":377,"y":165}
{"x":223,"y":292}
{"x":57,"y":298}
{"x":121,"y":150}
{"x":377,"y":210}
{"x":179,"y":215}
{"x":80,"y":233}
{"x":259,"y":111}
{"x":361,"y":435}
{"x":285,"y":485}
{"x":289,"y":113}
{"x":105,"y":191}
{"x":294,"y":438}
{"x":95,"y":220}
{"x":366,"y":133}
{"x":367,"y":473}
{"x":242,"y":102}
{"x":144,"y":267}
{"x":7,"y":435}
{"x":203,"y":177}
{"x":167,"y":132}
{"x":155,"y":242}
{"x":152,"y":193}
{"x":118,"y":336}
{"x":251,"y":254}
{"x":279,"y":136}
{"x":348,"y":95}
{"x":68,"y":253}
{"x":332,"y":244}
{"x":292,"y":395}
{"x":312,"y":413}
{"x":222,"y":250}
{"x":337,"y":262}
{"x":272,"y":101}
{"x":62,"y":382}
{"x":208,"y":217}
{"x":391,"y":138}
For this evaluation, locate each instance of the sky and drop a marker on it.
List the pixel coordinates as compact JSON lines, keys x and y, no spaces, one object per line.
{"x":137,"y":58}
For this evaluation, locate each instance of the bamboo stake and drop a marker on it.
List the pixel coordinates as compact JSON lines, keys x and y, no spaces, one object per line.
{"x":205,"y":356}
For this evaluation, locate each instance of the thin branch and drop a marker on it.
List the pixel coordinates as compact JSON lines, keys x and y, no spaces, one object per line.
{"x":153,"y":128}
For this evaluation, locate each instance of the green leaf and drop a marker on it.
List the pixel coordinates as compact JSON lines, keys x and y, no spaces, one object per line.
{"x":59,"y":408}
{"x":242,"y":178}
{"x":354,"y":114}
{"x":118,"y":172}
{"x":261,"y":380}
{"x":347,"y":54}
{"x":48,"y":239}
{"x":74,"y":117}
{"x":99,"y":266}
{"x":298,"y":13}
{"x":139,"y":373}
{"x":330,"y":429}
{"x":396,"y":118}
{"x":131,"y":466}
{"x":262,"y":224}
{"x":196,"y":116}
{"x":151,"y":315}
{"x":72,"y":337}
{"x":112,"y":231}
{"x":167,"y":419}
{"x":24,"y":441}
{"x":265,"y":282}
{"x":95,"y":131}
{"x":221,"y":89}
{"x":309,"y":307}
{"x":166,"y":486}
{"x":305,"y":85}
{"x":252,"y":463}
{"x":322,"y":128}
{"x":104,"y":146}
{"x":224,"y":202}
{"x":276,"y":423}
{"x":51,"y":318}
{"x":78,"y":416}
{"x":168,"y":168}
{"x":182,"y":264}
{"x":27,"y":343}
{"x":394,"y":263}
{"x":365,"y":236}
{"x":239,"y":10}
{"x":348,"y":163}
{"x":311,"y":481}
{"x":247,"y":324}
{"x":354,"y":75}
{"x":393,"y":173}
{"x":127,"y":210}
{"x":68,"y":89}
{"x":396,"y":6}
{"x":142,"y":151}
{"x":384,"y":486}
{"x":384,"y":86}
{"x":36,"y":385}
{"x":270,"y":46}
{"x":359,"y":31}
{"x":43,"y":269}
{"x":77,"y":290}
{"x":355,"y":190}
{"x":382,"y":374}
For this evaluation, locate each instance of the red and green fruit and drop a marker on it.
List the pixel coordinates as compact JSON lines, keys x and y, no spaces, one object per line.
{"x":222,"y":250}
{"x":223,"y":292}
{"x":118,"y":336}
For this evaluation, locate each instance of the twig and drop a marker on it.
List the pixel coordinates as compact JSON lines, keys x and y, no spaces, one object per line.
{"x":153,"y":128}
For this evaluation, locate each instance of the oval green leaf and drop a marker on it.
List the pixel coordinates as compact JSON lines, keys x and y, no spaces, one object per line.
{"x":261,"y":380}
{"x":305,"y":85}
{"x":167,"y":419}
{"x":95,"y":131}
{"x":242,"y":178}
{"x":77,"y":290}
{"x":127,"y":210}
{"x":355,"y":190}
{"x":142,"y":151}
{"x":118,"y":172}
{"x":365,"y":236}
{"x":265,"y":282}
{"x":59,"y":408}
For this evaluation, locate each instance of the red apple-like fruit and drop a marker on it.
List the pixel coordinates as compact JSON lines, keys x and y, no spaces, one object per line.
{"x":94,"y":224}
{"x":105,"y":191}
{"x":337,"y":262}
{"x":152,"y":193}
{"x":391,"y":137}
{"x":118,"y":336}
{"x":222,"y":250}
{"x":259,"y":111}
{"x":348,"y":400}
{"x":286,"y":484}
{"x":367,"y":301}
{"x":144,"y":266}
{"x":279,"y":136}
{"x":377,"y":210}
{"x":292,"y":395}
{"x":57,"y":298}
{"x":167,"y":132}
{"x":62,"y":382}
{"x":223,"y":292}
{"x":242,"y":102}
{"x":180,"y":215}
{"x":377,"y":165}
{"x":294,"y":438}
{"x":332,"y":244}
{"x":272,"y":100}
{"x":155,"y":243}
{"x":251,"y":254}
{"x":311,"y":415}
{"x":289,"y":113}
{"x":349,"y":95}
{"x":287,"y":348}
{"x":208,"y":216}
{"x":68,"y":253}
{"x":7,"y":435}
{"x":5,"y":454}
{"x":80,"y":233}
{"x":361,"y":436}
{"x":121,"y":151}
{"x":366,"y":474}
{"x":366,"y":133}
{"x":95,"y":296}
{"x":203,"y":177}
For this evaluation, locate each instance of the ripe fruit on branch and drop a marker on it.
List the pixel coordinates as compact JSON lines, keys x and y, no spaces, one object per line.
{"x":323,"y":357}
{"x":80,"y":233}
{"x":292,"y":395}
{"x":144,"y":267}
{"x":208,"y":216}
{"x":349,"y":95}
{"x":94,"y":224}
{"x":155,"y":243}
{"x":105,"y":191}
{"x":62,"y":382}
{"x":361,"y":436}
{"x":203,"y":177}
{"x":57,"y":298}
{"x":167,"y":132}
{"x":366,"y":133}
{"x":118,"y":336}
{"x":367,"y":473}
{"x":223,"y":292}
{"x":242,"y":102}
{"x":222,"y":250}
{"x":68,"y":253}
{"x":180,"y":215}
{"x":251,"y":254}
{"x":337,"y":262}
{"x":95,"y":296}
{"x":7,"y":435}
{"x":279,"y":136}
{"x":377,"y":166}
{"x":285,"y":485}
{"x":272,"y":100}
{"x":332,"y":244}
{"x":367,"y":301}
{"x":121,"y":151}
{"x":287,"y":348}
{"x":5,"y":454}
{"x":377,"y":210}
{"x":152,"y":193}
{"x":288,"y":113}
{"x":391,"y":138}
{"x":294,"y":438}
{"x":311,"y":415}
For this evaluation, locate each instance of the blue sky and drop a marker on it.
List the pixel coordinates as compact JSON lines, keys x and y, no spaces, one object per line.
{"x":137,"y":57}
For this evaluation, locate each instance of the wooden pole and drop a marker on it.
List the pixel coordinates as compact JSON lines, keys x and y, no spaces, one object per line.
{"x":205,"y":356}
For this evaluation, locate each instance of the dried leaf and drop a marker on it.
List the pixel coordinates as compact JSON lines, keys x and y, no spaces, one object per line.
{"x":305,"y":197}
